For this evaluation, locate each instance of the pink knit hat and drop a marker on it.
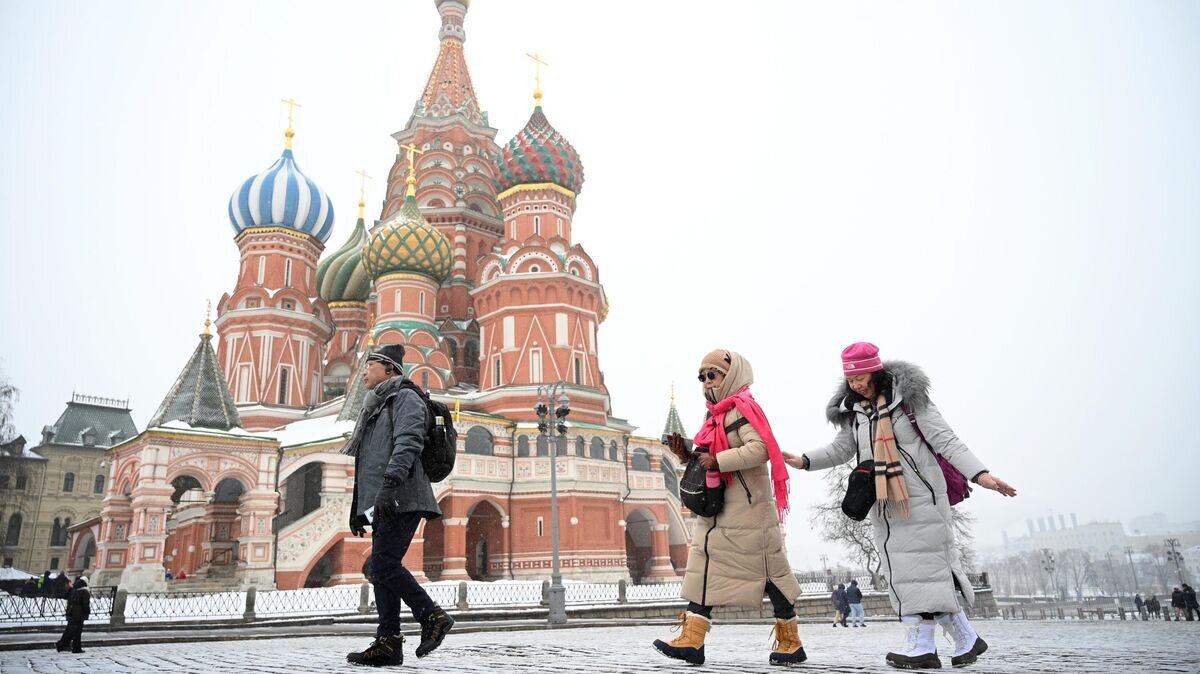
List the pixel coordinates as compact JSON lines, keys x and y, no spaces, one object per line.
{"x":861,"y":358}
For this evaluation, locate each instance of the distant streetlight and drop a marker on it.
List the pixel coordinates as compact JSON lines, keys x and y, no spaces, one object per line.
{"x":1129,"y":553}
{"x":1176,"y":556}
{"x":558,"y":603}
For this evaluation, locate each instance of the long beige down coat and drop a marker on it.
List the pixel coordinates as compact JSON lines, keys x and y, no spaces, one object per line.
{"x":734,"y":554}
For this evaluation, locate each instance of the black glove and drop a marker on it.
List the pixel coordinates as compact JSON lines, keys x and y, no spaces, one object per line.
{"x":358,"y":525}
{"x":385,"y":500}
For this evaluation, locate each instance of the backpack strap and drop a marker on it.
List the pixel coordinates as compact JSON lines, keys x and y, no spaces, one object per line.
{"x":912,"y":419}
{"x":736,"y":425}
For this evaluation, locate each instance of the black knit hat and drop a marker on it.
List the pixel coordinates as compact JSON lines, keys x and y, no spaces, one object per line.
{"x":392,"y":354}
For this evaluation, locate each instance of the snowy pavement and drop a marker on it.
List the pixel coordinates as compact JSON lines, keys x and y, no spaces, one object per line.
{"x":1025,"y":647}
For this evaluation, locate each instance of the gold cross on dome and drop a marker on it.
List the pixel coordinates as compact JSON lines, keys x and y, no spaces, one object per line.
{"x":292,"y":105}
{"x":412,"y":167}
{"x":207,"y":314}
{"x":537,"y":75}
{"x":362,"y":191}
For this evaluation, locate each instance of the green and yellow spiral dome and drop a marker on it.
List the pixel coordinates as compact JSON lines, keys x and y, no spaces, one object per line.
{"x":408,"y":243}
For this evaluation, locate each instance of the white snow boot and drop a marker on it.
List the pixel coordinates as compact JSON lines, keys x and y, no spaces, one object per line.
{"x":968,"y":646}
{"x":920,"y":651}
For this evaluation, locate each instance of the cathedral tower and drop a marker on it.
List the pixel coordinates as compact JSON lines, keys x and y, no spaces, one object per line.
{"x":274,"y":326}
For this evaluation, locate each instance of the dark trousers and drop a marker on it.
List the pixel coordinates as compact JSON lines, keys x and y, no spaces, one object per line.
{"x":72,"y":635}
{"x":393,"y":583}
{"x":784,"y":609}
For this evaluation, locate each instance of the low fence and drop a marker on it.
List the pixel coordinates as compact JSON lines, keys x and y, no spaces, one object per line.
{"x":1051,"y":611}
{"x":118,"y":607}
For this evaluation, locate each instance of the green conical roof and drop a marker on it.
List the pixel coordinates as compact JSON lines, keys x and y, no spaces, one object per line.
{"x":341,"y":276}
{"x":200,"y":397}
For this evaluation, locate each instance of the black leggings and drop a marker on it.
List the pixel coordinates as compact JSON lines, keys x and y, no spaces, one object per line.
{"x":784,"y":609}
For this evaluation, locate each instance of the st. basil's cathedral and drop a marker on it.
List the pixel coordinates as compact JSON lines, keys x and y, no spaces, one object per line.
{"x":473,"y":266}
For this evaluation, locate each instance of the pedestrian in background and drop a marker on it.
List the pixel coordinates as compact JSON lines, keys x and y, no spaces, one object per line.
{"x":79,"y":608}
{"x":858,"y":617}
{"x":841,"y":605}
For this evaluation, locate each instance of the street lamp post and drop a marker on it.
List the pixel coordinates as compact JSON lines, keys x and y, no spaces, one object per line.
{"x":1048,"y":565}
{"x":1129,"y":553}
{"x":558,"y":603}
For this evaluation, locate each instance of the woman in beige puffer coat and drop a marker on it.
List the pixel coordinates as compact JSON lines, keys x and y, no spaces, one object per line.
{"x":738,"y":555}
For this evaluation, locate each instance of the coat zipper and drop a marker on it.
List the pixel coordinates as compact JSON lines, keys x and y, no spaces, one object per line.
{"x":917,"y":472}
{"x":707,"y":560}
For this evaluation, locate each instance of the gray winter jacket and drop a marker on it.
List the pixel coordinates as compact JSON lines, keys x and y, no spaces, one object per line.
{"x":920,"y":560}
{"x":387,"y":442}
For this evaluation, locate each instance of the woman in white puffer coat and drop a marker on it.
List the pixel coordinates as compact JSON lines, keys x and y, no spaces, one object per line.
{"x":875,"y":409}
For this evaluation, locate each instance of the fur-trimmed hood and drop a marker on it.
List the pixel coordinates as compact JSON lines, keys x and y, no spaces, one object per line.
{"x":909,"y":383}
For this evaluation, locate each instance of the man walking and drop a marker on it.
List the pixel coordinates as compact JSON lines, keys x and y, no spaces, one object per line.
{"x":393,"y":495}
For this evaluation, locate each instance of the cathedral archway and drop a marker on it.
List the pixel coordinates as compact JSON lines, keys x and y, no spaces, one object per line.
{"x":639,"y":543}
{"x":485,"y":541}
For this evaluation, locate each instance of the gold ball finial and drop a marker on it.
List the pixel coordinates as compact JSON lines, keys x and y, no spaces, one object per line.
{"x":207,"y":314}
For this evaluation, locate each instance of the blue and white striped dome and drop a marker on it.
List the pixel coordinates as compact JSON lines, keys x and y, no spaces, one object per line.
{"x":282,"y":196}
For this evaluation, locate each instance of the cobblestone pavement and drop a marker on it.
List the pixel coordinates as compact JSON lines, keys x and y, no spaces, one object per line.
{"x":1016,"y":646}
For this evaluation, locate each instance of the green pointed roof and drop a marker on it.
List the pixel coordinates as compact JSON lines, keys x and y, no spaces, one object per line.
{"x":341,"y":276}
{"x":200,"y":396}
{"x":674,"y":425}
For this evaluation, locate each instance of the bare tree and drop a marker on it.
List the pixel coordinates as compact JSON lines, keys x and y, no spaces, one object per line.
{"x":964,"y":536}
{"x":1075,"y":565}
{"x":8,"y":398}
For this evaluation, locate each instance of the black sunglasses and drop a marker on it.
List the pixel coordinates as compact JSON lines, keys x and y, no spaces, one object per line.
{"x":710,"y":375}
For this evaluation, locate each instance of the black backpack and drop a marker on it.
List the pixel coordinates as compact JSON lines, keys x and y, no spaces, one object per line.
{"x":694,"y":491}
{"x":441,"y":440}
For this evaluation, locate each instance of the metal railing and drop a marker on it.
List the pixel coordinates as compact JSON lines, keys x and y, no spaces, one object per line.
{"x":42,"y":610}
{"x":308,"y":602}
{"x":153,"y":606}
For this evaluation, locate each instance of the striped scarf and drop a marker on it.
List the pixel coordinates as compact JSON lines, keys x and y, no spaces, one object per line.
{"x":889,"y":474}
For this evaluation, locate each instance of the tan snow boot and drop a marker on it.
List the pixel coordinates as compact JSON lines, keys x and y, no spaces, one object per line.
{"x":787,"y":649}
{"x":689,"y":645}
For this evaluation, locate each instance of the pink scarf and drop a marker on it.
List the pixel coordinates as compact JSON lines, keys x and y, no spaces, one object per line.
{"x":712,"y":435}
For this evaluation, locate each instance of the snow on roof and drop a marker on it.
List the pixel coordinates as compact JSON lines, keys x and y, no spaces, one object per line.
{"x":309,"y":431}
{"x":177,"y":425}
{"x":9,"y":573}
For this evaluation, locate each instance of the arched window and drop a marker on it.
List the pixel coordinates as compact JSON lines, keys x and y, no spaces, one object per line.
{"x":523,"y":445}
{"x":670,"y":478}
{"x":543,"y":446}
{"x":561,"y":442}
{"x":228,"y":490}
{"x":641,"y":460}
{"x":69,"y":482}
{"x":580,"y":446}
{"x":182,"y":485}
{"x":98,"y":486}
{"x":12,"y":537}
{"x":58,"y":534}
{"x":612,"y":451}
{"x":597,"y":448}
{"x":471,"y":354}
{"x":479,"y":441}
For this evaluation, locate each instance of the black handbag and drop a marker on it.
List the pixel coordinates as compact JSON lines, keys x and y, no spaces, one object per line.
{"x":860,"y":491}
{"x":694,"y":491}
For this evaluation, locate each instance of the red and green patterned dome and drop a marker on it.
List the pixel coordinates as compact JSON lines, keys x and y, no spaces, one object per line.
{"x":539,"y":154}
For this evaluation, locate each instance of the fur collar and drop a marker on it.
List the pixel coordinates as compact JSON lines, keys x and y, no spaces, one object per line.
{"x":909,"y":383}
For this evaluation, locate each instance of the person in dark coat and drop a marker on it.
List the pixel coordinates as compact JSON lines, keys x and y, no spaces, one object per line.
{"x":1153,"y":607}
{"x":1190,"y":606}
{"x":392,"y":494}
{"x":1139,"y":605}
{"x":841,"y":606}
{"x":1177,"y":603}
{"x":79,"y":607}
{"x":858,"y":617}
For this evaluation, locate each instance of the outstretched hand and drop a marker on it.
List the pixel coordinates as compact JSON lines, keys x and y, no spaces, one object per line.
{"x":989,"y":481}
{"x":677,"y":446}
{"x":797,"y":461}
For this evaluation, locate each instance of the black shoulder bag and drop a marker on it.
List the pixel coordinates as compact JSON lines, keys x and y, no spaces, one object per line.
{"x":694,"y":491}
{"x":860,"y":491}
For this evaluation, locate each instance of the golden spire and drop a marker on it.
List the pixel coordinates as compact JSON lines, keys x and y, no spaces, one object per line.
{"x":362,"y":192}
{"x":370,"y":338}
{"x":292,"y":105}
{"x":412,"y":168}
{"x":672,"y":394}
{"x":207,"y":322}
{"x":537,"y":77}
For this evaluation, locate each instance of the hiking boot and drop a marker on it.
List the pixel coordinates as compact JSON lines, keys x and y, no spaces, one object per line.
{"x":919,"y":650}
{"x":689,"y":645}
{"x":384,"y":651}
{"x":787,"y":650}
{"x":433,"y":629}
{"x":60,"y":646}
{"x":968,"y":646}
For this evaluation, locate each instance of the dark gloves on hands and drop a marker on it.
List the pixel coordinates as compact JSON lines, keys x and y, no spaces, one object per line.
{"x":386,"y":500}
{"x":358,"y":525}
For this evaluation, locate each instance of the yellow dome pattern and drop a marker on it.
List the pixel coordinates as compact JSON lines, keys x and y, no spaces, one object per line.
{"x":408,"y":244}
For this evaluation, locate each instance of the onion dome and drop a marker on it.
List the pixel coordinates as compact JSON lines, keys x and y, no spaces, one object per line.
{"x":408,"y":243}
{"x":282,"y":196}
{"x":539,"y":154}
{"x":340,"y":276}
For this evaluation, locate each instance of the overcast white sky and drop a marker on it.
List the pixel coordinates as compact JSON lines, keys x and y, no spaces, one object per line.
{"x":1003,"y":193}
